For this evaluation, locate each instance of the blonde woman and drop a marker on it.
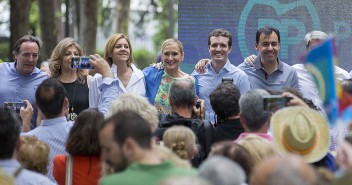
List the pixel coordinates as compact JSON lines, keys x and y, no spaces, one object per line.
{"x":181,"y":140}
{"x":137,"y":103}
{"x":118,"y":53}
{"x":34,"y":154}
{"x":75,"y":81}
{"x":258,"y":147}
{"x":158,"y":81}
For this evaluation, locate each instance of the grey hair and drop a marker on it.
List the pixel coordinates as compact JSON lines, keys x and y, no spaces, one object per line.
{"x":222,"y":171}
{"x":252,"y":108}
{"x":314,"y":35}
{"x":182,"y":93}
{"x":137,"y":103}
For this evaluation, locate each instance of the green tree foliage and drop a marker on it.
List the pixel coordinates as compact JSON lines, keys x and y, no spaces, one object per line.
{"x":143,"y":58}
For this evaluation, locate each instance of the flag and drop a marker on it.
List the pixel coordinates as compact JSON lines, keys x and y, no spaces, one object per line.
{"x":320,"y":64}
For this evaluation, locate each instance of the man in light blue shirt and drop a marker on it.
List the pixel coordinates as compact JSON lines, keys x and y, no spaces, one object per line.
{"x":51,"y":101}
{"x":269,"y":72}
{"x":9,"y":142}
{"x":20,"y":79}
{"x":219,"y":45}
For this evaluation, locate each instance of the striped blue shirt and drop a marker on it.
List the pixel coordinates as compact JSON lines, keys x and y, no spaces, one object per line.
{"x":54,"y":132}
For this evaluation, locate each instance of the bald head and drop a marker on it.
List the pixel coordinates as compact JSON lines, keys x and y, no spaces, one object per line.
{"x":182,"y":94}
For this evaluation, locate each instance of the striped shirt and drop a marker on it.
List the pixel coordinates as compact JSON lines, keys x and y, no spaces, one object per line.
{"x":54,"y":132}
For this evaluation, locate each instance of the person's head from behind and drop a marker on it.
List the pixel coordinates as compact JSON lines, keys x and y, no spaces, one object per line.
{"x":224,"y":101}
{"x":313,"y":38}
{"x":235,"y":152}
{"x":277,"y":170}
{"x":26,"y":51}
{"x":181,"y":140}
{"x":34,"y":154}
{"x":267,"y":43}
{"x":136,"y":103}
{"x":166,"y":154}
{"x":83,"y":137}
{"x":172,"y":54}
{"x":118,"y":49}
{"x":259,"y":148}
{"x":9,"y":133}
{"x":50,"y":98}
{"x":61,"y":57}
{"x":123,"y":138}
{"x":253,"y":117}
{"x":219,"y":45}
{"x":182,"y":94}
{"x":221,"y":171}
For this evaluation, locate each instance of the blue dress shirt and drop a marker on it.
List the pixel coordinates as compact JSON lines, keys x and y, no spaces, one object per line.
{"x":15,"y":87}
{"x":208,"y":81}
{"x":25,"y":177}
{"x":54,"y":132}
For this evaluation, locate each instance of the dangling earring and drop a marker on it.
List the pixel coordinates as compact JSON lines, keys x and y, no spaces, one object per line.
{"x":58,"y":67}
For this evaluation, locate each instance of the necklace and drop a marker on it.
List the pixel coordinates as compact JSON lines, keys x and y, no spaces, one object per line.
{"x":72,"y":115}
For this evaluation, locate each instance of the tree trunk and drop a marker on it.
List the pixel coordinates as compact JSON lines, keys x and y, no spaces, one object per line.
{"x":19,"y":21}
{"x":58,"y":20}
{"x":88,"y":25}
{"x":48,"y":27}
{"x":123,"y":15}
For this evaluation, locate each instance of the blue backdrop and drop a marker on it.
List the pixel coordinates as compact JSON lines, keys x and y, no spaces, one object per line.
{"x":293,"y":18}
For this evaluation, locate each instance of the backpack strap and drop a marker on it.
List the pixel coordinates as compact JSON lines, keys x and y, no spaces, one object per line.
{"x":209,"y":135}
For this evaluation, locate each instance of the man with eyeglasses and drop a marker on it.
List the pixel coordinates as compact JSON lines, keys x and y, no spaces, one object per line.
{"x":20,"y":79}
{"x":269,"y":72}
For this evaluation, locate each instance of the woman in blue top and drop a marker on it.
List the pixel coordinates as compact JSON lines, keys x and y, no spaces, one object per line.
{"x":158,"y":81}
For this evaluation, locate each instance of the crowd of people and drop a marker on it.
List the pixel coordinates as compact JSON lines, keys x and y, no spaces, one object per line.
{"x":117,"y":124}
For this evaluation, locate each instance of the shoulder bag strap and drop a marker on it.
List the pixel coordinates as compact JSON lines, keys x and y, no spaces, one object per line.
{"x":69,"y":172}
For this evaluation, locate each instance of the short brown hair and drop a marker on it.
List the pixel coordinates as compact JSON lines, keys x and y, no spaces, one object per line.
{"x":26,"y":38}
{"x":83,"y":137}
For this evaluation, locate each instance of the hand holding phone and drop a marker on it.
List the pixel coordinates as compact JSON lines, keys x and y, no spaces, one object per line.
{"x":14,"y":106}
{"x":274,"y":102}
{"x":78,"y":62}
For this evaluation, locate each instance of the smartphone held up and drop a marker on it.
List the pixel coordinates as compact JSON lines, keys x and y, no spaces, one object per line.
{"x":274,"y":102}
{"x":78,"y":62}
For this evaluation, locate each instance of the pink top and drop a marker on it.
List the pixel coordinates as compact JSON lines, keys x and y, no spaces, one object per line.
{"x":262,"y":135}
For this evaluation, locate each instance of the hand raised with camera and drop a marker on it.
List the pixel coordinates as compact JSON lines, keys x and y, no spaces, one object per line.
{"x":295,"y":101}
{"x":199,"y":109}
{"x":26,"y":115}
{"x":100,"y":65}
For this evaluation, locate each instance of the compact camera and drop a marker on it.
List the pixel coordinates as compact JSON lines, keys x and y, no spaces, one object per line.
{"x":14,"y":106}
{"x":274,"y":102}
{"x":80,"y":63}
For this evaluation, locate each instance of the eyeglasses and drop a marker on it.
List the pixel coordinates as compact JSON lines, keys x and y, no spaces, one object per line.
{"x":28,"y":55}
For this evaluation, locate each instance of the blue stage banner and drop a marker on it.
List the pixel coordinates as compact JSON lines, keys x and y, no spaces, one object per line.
{"x":293,"y":18}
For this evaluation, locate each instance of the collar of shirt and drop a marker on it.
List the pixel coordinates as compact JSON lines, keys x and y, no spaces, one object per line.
{"x":262,"y":135}
{"x":258,"y":64}
{"x":53,"y":121}
{"x":14,"y":70}
{"x":9,"y":163}
{"x":226,"y":67}
{"x":134,"y":71}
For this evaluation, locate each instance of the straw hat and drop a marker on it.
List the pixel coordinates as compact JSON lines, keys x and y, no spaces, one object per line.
{"x":301,"y":130}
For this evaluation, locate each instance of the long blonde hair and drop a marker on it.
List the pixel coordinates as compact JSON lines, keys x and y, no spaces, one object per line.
{"x":57,"y":55}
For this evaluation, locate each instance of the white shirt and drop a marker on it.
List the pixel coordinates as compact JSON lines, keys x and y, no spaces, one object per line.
{"x":307,"y":86}
{"x":135,"y":85}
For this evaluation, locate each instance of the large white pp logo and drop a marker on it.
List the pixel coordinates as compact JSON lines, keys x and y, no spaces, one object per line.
{"x":283,"y":21}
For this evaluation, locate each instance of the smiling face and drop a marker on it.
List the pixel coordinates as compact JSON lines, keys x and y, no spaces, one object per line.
{"x":219,"y":49}
{"x":121,"y":51}
{"x":66,"y":60}
{"x":268,"y":47}
{"x":27,"y":57}
{"x":171,"y":56}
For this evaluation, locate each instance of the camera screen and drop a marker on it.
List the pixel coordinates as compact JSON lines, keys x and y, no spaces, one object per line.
{"x":81,"y":63}
{"x":273,"y":103}
{"x":14,"y":106}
